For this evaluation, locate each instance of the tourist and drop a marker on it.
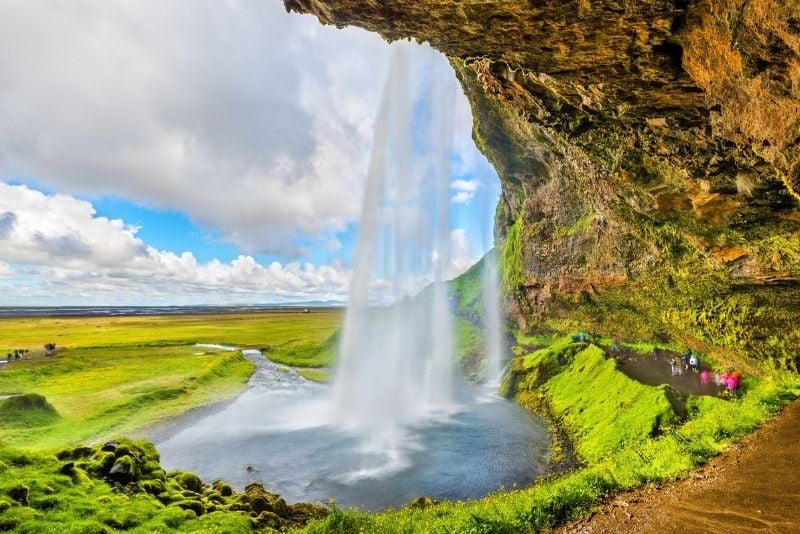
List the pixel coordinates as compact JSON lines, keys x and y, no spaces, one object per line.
{"x":672,"y":366}
{"x":731,"y":383}
{"x":694,"y":362}
{"x":705,"y":377}
{"x":686,"y":357}
{"x":678,"y":362}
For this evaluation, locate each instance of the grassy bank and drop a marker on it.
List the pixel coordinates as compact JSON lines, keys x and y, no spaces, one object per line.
{"x":626,"y":434}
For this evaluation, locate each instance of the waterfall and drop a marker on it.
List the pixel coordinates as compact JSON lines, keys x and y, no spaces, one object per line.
{"x":492,"y":321}
{"x":395,"y":368}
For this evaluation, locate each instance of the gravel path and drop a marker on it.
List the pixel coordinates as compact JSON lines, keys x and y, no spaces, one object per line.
{"x":754,"y":486}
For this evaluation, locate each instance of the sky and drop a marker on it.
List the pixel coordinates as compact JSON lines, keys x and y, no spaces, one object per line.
{"x":196,"y":152}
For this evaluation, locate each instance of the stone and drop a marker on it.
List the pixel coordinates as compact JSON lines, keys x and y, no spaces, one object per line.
{"x":423,"y":502}
{"x":19,"y":493}
{"x":122,"y":471}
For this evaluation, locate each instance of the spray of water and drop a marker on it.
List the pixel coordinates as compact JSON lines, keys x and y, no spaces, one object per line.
{"x":395,"y":367}
{"x":493,"y":322}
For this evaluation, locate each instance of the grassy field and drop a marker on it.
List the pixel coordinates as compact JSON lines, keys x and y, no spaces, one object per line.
{"x":262,"y":330}
{"x":111,"y":376}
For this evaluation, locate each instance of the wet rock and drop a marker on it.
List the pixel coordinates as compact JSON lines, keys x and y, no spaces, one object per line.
{"x":67,"y":469}
{"x":423,"y":502}
{"x":224,"y":489}
{"x":190,"y":481}
{"x":109,"y":446}
{"x":122,"y":471}
{"x":19,"y":493}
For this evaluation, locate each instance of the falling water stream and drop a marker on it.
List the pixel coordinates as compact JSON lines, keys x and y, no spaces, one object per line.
{"x":397,"y":422}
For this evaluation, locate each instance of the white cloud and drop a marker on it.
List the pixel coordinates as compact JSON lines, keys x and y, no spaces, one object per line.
{"x":461,"y":255}
{"x":6,"y":271}
{"x":251,"y":121}
{"x":68,"y":253}
{"x":62,"y":253}
{"x":465,"y":190}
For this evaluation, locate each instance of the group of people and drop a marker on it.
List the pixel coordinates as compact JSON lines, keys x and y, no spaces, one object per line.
{"x":684,"y":362}
{"x":729,"y":380}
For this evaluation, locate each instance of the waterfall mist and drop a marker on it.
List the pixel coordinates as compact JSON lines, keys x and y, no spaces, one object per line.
{"x":492,"y":321}
{"x":395,"y":368}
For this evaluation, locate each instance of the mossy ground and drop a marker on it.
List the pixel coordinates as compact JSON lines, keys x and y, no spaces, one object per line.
{"x":120,"y":486}
{"x":626,"y":433}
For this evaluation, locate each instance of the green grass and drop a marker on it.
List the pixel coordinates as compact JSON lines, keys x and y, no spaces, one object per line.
{"x":468,"y":289}
{"x":511,"y":268}
{"x":116,"y":375}
{"x":103,"y":392}
{"x":590,"y":390}
{"x":306,"y":352}
{"x":262,"y":329}
{"x":626,"y":433}
{"x":27,"y":411}
{"x":612,"y":465}
{"x":322,"y":376}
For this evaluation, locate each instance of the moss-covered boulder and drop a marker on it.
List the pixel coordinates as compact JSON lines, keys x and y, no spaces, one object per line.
{"x":133,"y":468}
{"x":29,"y":410}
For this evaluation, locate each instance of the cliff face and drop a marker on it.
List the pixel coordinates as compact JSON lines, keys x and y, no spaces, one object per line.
{"x":648,"y":153}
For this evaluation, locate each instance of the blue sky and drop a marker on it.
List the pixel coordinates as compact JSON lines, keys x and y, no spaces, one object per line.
{"x":196,"y":152}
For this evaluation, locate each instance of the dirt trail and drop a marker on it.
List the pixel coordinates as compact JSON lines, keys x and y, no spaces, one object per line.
{"x":754,"y":486}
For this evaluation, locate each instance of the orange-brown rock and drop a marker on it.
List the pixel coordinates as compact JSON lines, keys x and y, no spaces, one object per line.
{"x":631,"y":138}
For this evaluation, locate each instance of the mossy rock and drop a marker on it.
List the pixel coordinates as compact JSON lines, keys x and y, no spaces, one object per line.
{"x":195,"y":506}
{"x":123,"y":471}
{"x":224,"y":489}
{"x":303,"y":512}
{"x":269,"y":520}
{"x":122,"y":450}
{"x":101,"y":463}
{"x":152,"y":486}
{"x":190,"y":481}
{"x":19,"y":493}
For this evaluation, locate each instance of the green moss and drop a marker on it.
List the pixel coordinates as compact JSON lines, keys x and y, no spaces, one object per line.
{"x":579,"y":227}
{"x":591,"y":390}
{"x":27,"y":411}
{"x":511,"y":268}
